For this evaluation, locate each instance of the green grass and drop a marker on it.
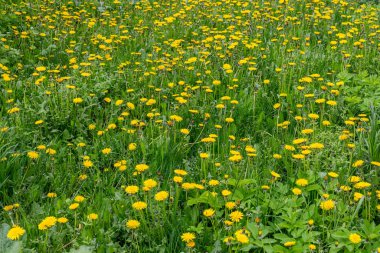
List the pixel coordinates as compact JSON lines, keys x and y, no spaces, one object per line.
{"x":269,"y":92}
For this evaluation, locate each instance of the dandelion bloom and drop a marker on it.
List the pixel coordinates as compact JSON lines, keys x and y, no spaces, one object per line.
{"x":298,"y":156}
{"x":362,"y":185}
{"x":327,"y":205}
{"x":15,"y":232}
{"x":77,"y":100}
{"x":290,"y":243}
{"x":178,"y":179}
{"x":180,"y":172}
{"x":79,"y":198}
{"x":204,"y":155}
{"x":297,"y":191}
{"x":161,"y":196}
{"x":230,"y":205}
{"x":184,"y":131}
{"x":106,"y":151}
{"x":13,"y":110}
{"x":313,"y":116}
{"x":358,"y":196}
{"x":133,"y":224}
{"x":229,"y":120}
{"x":50,"y":151}
{"x":139,"y":205}
{"x":355,"y":238}
{"x":302,"y":182}
{"x":132,"y":146}
{"x":235,"y":158}
{"x":92,"y":216}
{"x":33,"y":155}
{"x":307,"y":131}
{"x":74,"y":206}
{"x":131,"y":189}
{"x":52,"y":195}
{"x":213,"y":182}
{"x":188,"y":237}
{"x":87,"y":164}
{"x":354,"y":179}
{"x":299,"y":141}
{"x":62,"y":220}
{"x":358,"y":163}
{"x":40,"y":68}
{"x":275,"y":174}
{"x":242,"y":238}
{"x":141,"y":167}
{"x":333,"y":174}
{"x":316,"y":145}
{"x":326,"y":123}
{"x":236,"y":216}
{"x":46,"y":223}
{"x":209,"y":212}
{"x":226,"y":193}
{"x":150,"y":183}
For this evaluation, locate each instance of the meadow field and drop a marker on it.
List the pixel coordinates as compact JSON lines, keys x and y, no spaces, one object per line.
{"x":189,"y":126}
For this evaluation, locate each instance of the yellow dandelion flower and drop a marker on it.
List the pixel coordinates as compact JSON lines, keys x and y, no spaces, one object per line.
{"x":87,"y":163}
{"x":132,"y":224}
{"x":355,"y":238}
{"x":188,"y":237}
{"x":131,"y":189}
{"x":77,"y":100}
{"x":209,"y":212}
{"x":302,"y":182}
{"x":327,"y":205}
{"x":297,"y":191}
{"x":106,"y":151}
{"x":161,"y":196}
{"x":33,"y":155}
{"x":62,"y":220}
{"x":236,"y":216}
{"x":290,"y":243}
{"x":92,"y":216}
{"x":275,"y":174}
{"x":74,"y":206}
{"x":15,"y":232}
{"x":141,"y":167}
{"x":139,"y":205}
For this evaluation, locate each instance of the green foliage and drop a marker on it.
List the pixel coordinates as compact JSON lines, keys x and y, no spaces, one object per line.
{"x":189,"y":126}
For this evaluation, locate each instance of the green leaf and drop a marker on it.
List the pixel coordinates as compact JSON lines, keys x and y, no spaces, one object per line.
{"x":247,"y":248}
{"x":217,"y":247}
{"x":240,"y":183}
{"x":268,"y":241}
{"x":340,"y":234}
{"x":313,"y":187}
{"x":282,"y":237}
{"x":82,"y":249}
{"x":357,"y":208}
{"x":237,"y":195}
{"x":253,"y":229}
{"x":268,"y":249}
{"x":345,"y":76}
{"x":205,"y":198}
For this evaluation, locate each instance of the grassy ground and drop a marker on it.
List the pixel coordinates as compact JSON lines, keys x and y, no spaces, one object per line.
{"x":189,"y":126}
